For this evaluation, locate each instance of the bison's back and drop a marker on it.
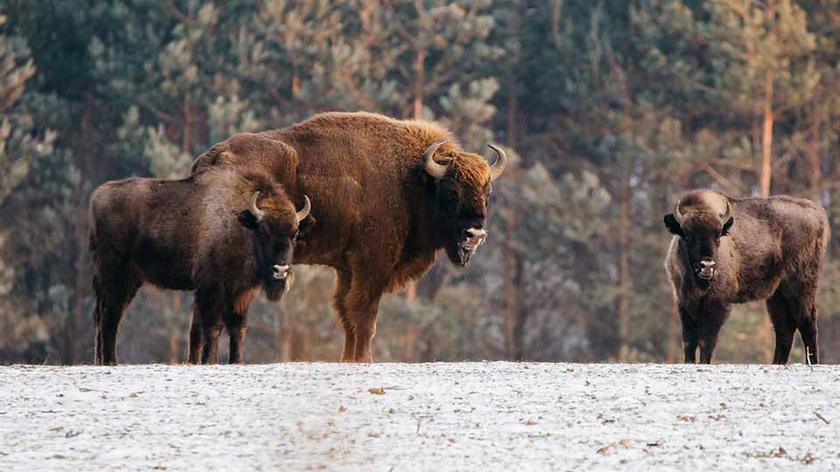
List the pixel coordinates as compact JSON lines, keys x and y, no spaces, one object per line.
{"x":115,"y":212}
{"x":146,"y":228}
{"x":778,"y":239}
{"x":796,"y":225}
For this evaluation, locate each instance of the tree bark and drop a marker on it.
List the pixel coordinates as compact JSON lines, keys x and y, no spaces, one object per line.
{"x":515,"y":312}
{"x":814,"y":161}
{"x":623,"y":263}
{"x":419,"y":84}
{"x":766,"y":171}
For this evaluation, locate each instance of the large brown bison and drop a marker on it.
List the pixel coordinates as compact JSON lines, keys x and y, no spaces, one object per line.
{"x":221,"y":233}
{"x":386,"y":195}
{"x":734,"y":250}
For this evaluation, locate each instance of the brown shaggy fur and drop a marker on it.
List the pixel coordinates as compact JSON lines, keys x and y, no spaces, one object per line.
{"x":192,"y":234}
{"x":378,"y":216}
{"x":773,"y":250}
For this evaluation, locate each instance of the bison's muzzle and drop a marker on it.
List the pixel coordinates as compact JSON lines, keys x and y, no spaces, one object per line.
{"x":280,"y":272}
{"x":705,"y":270}
{"x":471,"y":239}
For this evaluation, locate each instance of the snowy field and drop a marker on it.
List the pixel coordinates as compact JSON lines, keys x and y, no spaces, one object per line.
{"x":462,"y":416}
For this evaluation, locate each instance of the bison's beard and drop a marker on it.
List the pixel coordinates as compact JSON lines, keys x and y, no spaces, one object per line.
{"x":275,"y":289}
{"x":460,"y":252}
{"x":703,"y":283}
{"x":458,"y":255}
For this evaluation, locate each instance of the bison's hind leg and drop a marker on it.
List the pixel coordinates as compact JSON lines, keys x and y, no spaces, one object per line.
{"x":780,"y":310}
{"x":196,"y":346}
{"x":113,"y":295}
{"x":805,"y":314}
{"x":793,"y":306}
{"x":810,"y":336}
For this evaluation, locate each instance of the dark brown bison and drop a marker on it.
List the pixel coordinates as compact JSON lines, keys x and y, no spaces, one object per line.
{"x":221,"y":233}
{"x":386,"y":195}
{"x":734,"y":250}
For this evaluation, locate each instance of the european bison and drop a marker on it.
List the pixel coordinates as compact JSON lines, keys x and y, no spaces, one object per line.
{"x":734,"y":250}
{"x":220,"y":233}
{"x":386,"y":195}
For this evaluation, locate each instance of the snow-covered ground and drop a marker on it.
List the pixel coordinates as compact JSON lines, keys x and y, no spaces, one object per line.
{"x":461,"y":416}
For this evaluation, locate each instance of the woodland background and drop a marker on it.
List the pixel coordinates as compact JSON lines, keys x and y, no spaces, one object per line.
{"x":610,"y":108}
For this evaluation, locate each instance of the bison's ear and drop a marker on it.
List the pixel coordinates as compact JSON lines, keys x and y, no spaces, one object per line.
{"x":248,"y":220}
{"x":672,"y":225}
{"x":306,"y":226}
{"x":727,"y":226}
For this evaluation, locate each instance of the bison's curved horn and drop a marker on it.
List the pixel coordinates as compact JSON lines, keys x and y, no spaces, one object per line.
{"x":433,"y":168}
{"x":254,"y":209}
{"x":726,"y":214}
{"x":304,"y":212}
{"x":677,"y":214}
{"x":501,"y":161}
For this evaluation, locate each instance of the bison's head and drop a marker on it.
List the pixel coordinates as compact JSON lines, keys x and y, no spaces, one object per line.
{"x":460,"y":184}
{"x":274,"y":222}
{"x":701,"y":219}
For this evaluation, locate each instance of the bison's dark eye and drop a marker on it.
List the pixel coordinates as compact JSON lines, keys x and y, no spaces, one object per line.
{"x":688,"y":238}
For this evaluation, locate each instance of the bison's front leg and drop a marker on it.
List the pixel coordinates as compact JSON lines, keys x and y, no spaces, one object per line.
{"x":690,"y":335}
{"x":113,"y":295}
{"x":236,"y":325}
{"x":196,"y":339}
{"x":711,"y":319}
{"x":362,"y":304}
{"x":210,"y":309}
{"x":342,"y":288}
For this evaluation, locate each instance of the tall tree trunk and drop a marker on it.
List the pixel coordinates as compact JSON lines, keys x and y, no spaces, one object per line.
{"x":296,"y":87}
{"x":514,"y":263}
{"x":515,"y":313}
{"x":81,"y":285}
{"x":81,"y":288}
{"x":174,"y":348}
{"x":623,"y":263}
{"x":289,"y":334}
{"x":765,"y":178}
{"x":814,"y":161}
{"x":189,"y":122}
{"x":175,"y":303}
{"x":412,"y":333}
{"x":766,"y":171}
{"x":419,"y":84}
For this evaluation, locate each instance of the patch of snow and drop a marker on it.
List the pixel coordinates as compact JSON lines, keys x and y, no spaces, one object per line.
{"x":444,"y":416}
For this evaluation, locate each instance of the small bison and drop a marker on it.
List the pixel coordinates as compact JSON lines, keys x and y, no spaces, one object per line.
{"x":220,"y":233}
{"x":734,"y":250}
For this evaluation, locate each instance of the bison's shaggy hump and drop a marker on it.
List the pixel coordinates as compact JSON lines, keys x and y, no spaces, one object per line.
{"x":404,"y":137}
{"x":704,"y":200}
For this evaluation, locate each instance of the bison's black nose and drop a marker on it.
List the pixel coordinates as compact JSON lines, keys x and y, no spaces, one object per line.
{"x":474,"y":236}
{"x":281,"y":271}
{"x":706,"y":269}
